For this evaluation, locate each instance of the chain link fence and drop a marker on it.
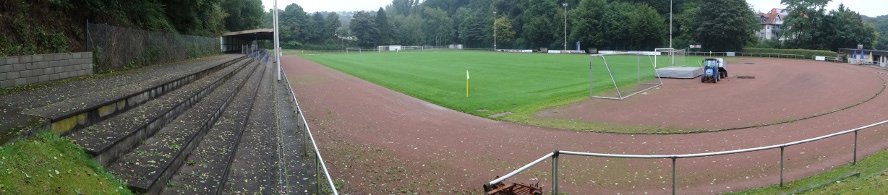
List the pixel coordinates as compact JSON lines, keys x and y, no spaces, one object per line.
{"x":116,"y":48}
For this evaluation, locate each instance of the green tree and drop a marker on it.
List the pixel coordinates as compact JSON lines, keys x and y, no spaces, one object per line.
{"x":504,"y":32}
{"x":315,"y":31}
{"x":685,"y":22}
{"x":542,"y":24}
{"x":613,"y":26}
{"x":803,"y":24}
{"x":845,"y":29}
{"x":332,"y":24}
{"x":402,"y":7}
{"x":647,"y":28}
{"x":198,"y":17}
{"x":242,"y":15}
{"x":387,"y":32}
{"x":881,"y":27}
{"x":293,"y":23}
{"x":585,"y":23}
{"x":724,"y":25}
{"x":438,"y":26}
{"x":472,"y":28}
{"x":363,"y":26}
{"x":410,"y":28}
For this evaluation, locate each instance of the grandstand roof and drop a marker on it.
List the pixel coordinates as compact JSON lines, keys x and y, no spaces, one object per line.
{"x":254,"y":34}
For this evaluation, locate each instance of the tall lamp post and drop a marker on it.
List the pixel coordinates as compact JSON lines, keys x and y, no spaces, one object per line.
{"x":565,"y":24}
{"x":277,"y":42}
{"x":494,"y":31}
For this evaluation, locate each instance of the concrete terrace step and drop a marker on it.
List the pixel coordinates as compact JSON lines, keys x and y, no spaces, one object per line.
{"x":79,"y":103}
{"x":255,"y":166}
{"x":297,"y":167}
{"x":148,"y":167}
{"x":205,"y":170}
{"x":107,"y":140}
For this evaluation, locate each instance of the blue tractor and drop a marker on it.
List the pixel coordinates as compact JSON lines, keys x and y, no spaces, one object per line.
{"x":713,"y":70}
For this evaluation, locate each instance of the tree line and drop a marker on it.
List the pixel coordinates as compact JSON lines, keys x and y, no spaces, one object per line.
{"x":718,"y":25}
{"x":810,"y":26}
{"x":48,"y":26}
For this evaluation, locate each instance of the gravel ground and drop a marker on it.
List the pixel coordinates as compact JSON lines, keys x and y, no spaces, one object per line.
{"x":793,"y":90}
{"x":84,"y":102}
{"x":205,"y":168}
{"x":98,"y":86}
{"x":62,"y":98}
{"x":151,"y":163}
{"x":383,"y":142}
{"x":100,"y":137}
{"x":255,"y":167}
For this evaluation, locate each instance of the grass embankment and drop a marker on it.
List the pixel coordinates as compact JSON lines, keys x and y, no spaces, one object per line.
{"x":515,"y":83}
{"x":48,"y":164}
{"x":872,"y":179}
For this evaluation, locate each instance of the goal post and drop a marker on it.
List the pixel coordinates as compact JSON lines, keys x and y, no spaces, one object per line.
{"x":670,"y":57}
{"x":622,"y":69}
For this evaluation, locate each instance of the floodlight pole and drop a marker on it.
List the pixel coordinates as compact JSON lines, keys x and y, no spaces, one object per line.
{"x":277,"y":42}
{"x":565,"y":24}
{"x":670,"y":24}
{"x":494,"y":31}
{"x":670,"y":33}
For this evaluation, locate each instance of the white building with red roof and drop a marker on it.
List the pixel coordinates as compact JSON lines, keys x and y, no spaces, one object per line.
{"x":771,"y":23}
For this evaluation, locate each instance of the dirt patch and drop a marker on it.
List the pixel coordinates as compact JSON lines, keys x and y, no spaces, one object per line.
{"x":783,"y":90}
{"x":497,"y":115}
{"x":354,"y":121}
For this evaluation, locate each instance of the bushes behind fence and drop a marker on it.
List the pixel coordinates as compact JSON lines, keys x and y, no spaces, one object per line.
{"x":116,"y":48}
{"x":806,"y":52}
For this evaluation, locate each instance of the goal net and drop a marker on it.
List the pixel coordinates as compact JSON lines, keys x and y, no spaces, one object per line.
{"x":618,"y":76}
{"x":670,"y":57}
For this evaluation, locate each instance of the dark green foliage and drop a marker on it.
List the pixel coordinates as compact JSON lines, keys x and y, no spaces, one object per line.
{"x":293,"y":22}
{"x":882,"y":28}
{"x":46,"y":26}
{"x":364,"y":27}
{"x":723,"y":25}
{"x":242,"y":14}
{"x":387,"y":32}
{"x":718,"y":25}
{"x":812,"y":27}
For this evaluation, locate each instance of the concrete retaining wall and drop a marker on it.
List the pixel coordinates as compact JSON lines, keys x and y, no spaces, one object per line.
{"x":25,"y":70}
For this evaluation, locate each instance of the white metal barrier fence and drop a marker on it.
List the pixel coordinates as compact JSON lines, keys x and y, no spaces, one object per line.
{"x":320,"y":165}
{"x":554,"y":155}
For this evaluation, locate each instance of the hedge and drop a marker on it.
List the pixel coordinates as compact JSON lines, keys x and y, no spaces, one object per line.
{"x":806,"y":52}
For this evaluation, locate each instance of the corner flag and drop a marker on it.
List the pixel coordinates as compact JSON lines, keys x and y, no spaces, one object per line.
{"x":467,"y":83}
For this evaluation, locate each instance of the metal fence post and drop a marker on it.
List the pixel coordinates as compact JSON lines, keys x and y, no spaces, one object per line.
{"x":555,"y":173}
{"x":673,"y":175}
{"x":781,"y":165}
{"x":855,"y":149}
{"x":304,"y":133}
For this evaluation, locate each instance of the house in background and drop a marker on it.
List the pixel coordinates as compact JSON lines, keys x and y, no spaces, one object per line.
{"x":771,"y":23}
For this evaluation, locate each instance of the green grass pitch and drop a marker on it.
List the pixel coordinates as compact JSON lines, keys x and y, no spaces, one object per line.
{"x":519,"y":83}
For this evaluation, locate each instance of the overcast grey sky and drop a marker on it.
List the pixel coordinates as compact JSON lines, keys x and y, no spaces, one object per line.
{"x":870,"y":8}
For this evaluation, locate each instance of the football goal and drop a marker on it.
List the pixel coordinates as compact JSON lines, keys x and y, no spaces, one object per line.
{"x":622,"y":75}
{"x":669,"y":57}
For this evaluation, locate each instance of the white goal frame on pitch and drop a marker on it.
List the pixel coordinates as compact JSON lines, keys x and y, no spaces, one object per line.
{"x":671,"y":52}
{"x":620,"y":95}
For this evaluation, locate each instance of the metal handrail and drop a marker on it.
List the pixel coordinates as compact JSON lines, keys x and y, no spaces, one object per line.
{"x":554,"y":156}
{"x":308,"y":131}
